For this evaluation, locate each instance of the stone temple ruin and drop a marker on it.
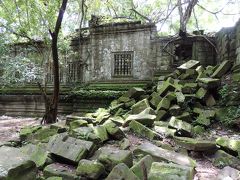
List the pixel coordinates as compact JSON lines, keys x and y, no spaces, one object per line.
{"x":121,"y":55}
{"x":132,"y":51}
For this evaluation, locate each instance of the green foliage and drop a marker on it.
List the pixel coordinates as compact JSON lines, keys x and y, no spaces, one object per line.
{"x":97,"y":94}
{"x":18,"y":70}
{"x":229,"y":115}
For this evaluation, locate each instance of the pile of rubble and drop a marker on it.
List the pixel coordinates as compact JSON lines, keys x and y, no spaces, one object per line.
{"x":181,"y":107}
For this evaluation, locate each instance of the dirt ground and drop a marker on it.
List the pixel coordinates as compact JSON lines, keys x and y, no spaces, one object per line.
{"x":10,"y":126}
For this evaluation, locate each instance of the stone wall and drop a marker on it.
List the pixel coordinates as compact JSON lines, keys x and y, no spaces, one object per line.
{"x":97,"y":50}
{"x":33,"y":105}
{"x":228,"y":44}
{"x":98,"y":47}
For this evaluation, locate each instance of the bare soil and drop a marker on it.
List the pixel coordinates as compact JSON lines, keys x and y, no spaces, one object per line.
{"x":10,"y":127}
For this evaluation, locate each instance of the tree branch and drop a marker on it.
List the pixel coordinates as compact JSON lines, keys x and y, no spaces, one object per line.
{"x":138,"y":13}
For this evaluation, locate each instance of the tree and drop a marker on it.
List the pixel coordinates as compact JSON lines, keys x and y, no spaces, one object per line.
{"x":52,"y":106}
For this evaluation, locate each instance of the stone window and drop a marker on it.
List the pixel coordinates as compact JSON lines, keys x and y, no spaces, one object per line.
{"x":123,"y":62}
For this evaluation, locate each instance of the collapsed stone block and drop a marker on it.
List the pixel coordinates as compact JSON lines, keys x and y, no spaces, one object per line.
{"x":162,"y":171}
{"x":113,"y":130}
{"x":111,"y":157}
{"x":135,"y":92}
{"x":140,"y":106}
{"x":230,"y":145}
{"x":142,"y":130}
{"x":181,"y":126}
{"x":191,"y":64}
{"x":60,"y":170}
{"x":13,"y":163}
{"x":121,"y":171}
{"x":69,"y":148}
{"x":142,"y":167}
{"x":196,"y":145}
{"x":159,"y":154}
{"x":90,"y":169}
{"x":222,"y":69}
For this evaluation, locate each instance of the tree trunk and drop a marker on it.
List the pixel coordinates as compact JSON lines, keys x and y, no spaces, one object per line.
{"x":52,"y":109}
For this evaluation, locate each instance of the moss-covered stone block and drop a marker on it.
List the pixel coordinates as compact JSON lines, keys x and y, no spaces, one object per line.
{"x":111,"y":157}
{"x":159,"y":154}
{"x":13,"y":163}
{"x":113,"y":130}
{"x":164,"y":171}
{"x":60,"y":170}
{"x":196,"y":144}
{"x":191,"y":64}
{"x":230,"y":145}
{"x":69,"y":148}
{"x":164,"y":104}
{"x":142,"y":167}
{"x":90,"y":169}
{"x":121,"y":171}
{"x":222,"y":69}
{"x":140,"y":106}
{"x":77,"y":124}
{"x":182,"y":127}
{"x":101,"y":132}
{"x":143,"y":131}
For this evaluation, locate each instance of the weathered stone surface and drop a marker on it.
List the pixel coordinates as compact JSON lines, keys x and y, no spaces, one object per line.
{"x":161,"y":115}
{"x":175,"y":110}
{"x":164,"y":171}
{"x":37,"y":134}
{"x":160,"y":154}
{"x":36,"y":153}
{"x":164,"y":88}
{"x":71,"y":118}
{"x":201,"y":93}
{"x":143,"y":118}
{"x":209,"y":83}
{"x":230,"y":145}
{"x":140,"y":106}
{"x":191,"y":64}
{"x":101,"y":132}
{"x":113,"y":130}
{"x":222,"y":159}
{"x":135,"y":92}
{"x":185,"y":116}
{"x":228,"y":173}
{"x":143,"y":131}
{"x":164,"y":104}
{"x":195,"y":145}
{"x":155,"y":99}
{"x":120,"y":172}
{"x":55,"y":178}
{"x":142,"y":167}
{"x":111,"y":157}
{"x":181,"y":126}
{"x":70,"y":148}
{"x":101,"y":115}
{"x":28,"y":131}
{"x":60,"y":170}
{"x":78,"y":123}
{"x":85,"y":133}
{"x":165,"y":131}
{"x":189,"y":88}
{"x":90,"y":169}
{"x":125,"y":144}
{"x":222,"y":69}
{"x":13,"y":163}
